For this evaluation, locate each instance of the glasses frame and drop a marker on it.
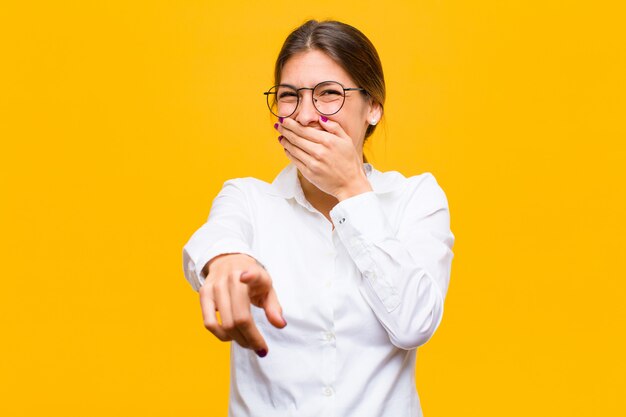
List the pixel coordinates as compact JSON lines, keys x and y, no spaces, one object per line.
{"x":269,"y":93}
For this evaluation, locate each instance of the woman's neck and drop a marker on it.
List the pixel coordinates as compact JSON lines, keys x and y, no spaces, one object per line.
{"x":314,"y":195}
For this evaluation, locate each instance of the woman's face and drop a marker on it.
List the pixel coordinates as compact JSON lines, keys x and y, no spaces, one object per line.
{"x":307,"y":69}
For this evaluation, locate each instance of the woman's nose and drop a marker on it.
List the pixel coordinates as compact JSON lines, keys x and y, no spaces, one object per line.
{"x":306,"y":112}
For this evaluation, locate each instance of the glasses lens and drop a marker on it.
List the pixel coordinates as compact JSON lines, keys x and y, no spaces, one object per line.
{"x":328,"y":97}
{"x":282,"y":100}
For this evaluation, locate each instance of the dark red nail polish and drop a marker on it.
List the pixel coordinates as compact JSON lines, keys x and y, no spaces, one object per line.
{"x":281,"y":137}
{"x":261,"y":353}
{"x":280,"y":119}
{"x":324,"y":119}
{"x":275,"y":125}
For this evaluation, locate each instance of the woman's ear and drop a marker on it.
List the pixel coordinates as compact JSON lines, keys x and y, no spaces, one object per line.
{"x":375,"y":113}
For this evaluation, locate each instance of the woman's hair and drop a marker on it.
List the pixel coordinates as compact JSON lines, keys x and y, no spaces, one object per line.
{"x":347,"y":46}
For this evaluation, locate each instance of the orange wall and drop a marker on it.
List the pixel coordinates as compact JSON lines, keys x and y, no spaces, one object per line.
{"x":119,"y":122}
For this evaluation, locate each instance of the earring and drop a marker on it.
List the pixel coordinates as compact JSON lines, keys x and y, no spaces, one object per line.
{"x":373,"y":122}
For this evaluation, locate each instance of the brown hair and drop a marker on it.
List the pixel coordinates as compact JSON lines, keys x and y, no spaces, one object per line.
{"x":347,"y":46}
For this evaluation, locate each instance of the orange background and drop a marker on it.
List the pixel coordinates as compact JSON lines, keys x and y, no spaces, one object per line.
{"x":120,"y":121}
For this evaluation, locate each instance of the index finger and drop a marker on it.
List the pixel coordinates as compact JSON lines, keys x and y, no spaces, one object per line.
{"x":242,"y":317}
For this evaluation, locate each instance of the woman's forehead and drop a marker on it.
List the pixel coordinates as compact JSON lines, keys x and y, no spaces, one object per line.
{"x":306,"y":69}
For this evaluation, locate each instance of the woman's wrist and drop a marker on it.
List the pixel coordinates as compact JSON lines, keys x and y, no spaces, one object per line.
{"x":356,"y":188}
{"x":218,"y":259}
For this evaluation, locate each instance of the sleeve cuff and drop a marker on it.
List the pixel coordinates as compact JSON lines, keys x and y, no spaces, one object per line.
{"x":360,"y":217}
{"x":193,"y":268}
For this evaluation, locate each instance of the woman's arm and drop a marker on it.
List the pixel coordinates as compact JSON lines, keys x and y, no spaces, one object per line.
{"x":405,"y":274}
{"x":220,"y":265}
{"x":227,"y":230}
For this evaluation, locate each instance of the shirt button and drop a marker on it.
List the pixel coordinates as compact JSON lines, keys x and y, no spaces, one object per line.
{"x":328,"y":391}
{"x":328,"y":284}
{"x":329,"y":336}
{"x":343,"y":219}
{"x":370,"y":275}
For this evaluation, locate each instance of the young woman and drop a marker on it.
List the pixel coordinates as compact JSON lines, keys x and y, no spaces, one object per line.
{"x":355,"y":260}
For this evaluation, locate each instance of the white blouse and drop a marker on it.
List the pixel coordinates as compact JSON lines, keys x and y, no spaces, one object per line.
{"x":358,"y":299}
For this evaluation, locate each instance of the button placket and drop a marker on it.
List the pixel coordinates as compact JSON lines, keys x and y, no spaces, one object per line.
{"x":326,"y":336}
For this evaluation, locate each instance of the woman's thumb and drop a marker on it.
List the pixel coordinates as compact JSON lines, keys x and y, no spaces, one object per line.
{"x":273,"y":310}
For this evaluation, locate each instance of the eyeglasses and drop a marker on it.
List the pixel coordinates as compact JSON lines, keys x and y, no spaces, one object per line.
{"x":328,"y":98}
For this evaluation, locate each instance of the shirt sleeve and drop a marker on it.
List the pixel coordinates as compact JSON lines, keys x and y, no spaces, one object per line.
{"x":405,"y":275}
{"x":227,"y":230}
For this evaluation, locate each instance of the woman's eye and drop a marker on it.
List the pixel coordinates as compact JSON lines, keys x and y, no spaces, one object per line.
{"x":286,"y":95}
{"x":330,"y":93}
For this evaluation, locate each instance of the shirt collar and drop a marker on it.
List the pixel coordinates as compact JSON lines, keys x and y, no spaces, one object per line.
{"x":287,"y":185}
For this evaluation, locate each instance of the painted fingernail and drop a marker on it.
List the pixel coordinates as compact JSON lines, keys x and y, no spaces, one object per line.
{"x":281,"y":137}
{"x":324,"y":119}
{"x":276,"y":126}
{"x":261,"y":353}
{"x":280,"y":119}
